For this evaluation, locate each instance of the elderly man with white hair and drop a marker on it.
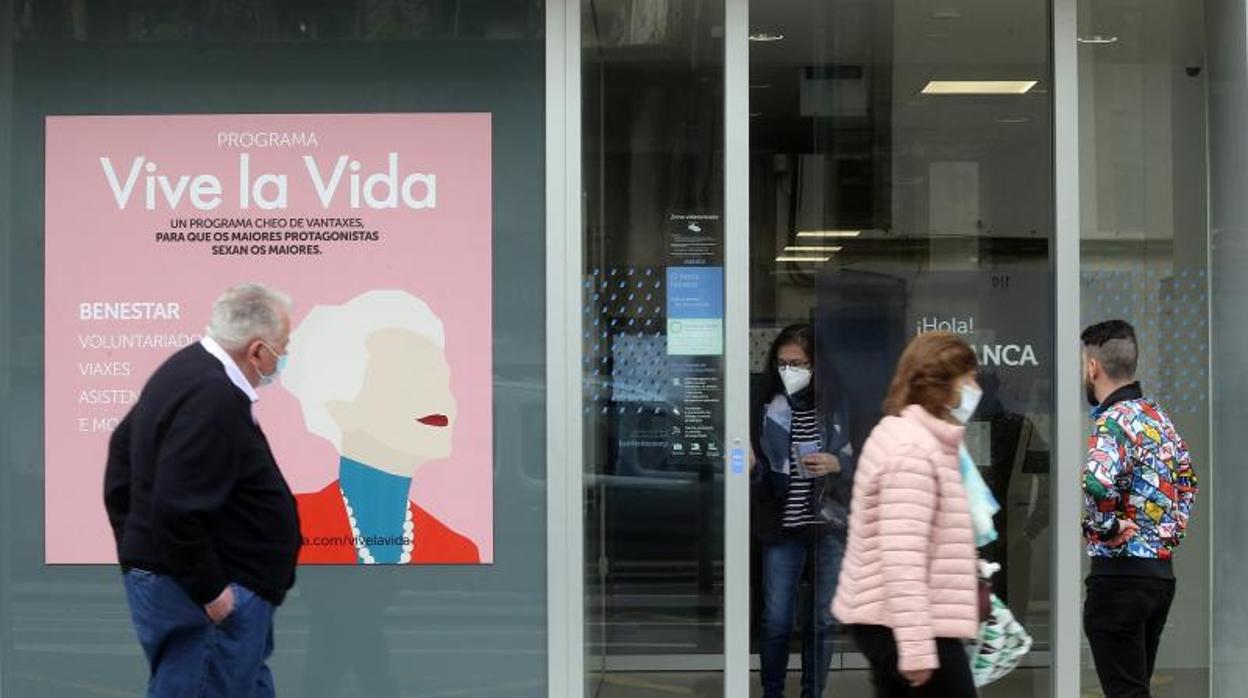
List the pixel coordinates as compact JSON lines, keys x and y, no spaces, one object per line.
{"x":207,"y":529}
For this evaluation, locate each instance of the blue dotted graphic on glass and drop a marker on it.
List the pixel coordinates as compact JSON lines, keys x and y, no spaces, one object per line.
{"x":630,"y":351}
{"x":1170,"y":313}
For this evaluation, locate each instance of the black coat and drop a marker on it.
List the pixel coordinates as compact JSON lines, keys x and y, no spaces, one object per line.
{"x":769,"y":489}
{"x":192,"y":489}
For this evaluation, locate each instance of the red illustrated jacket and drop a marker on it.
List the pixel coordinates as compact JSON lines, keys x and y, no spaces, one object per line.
{"x":327,"y":534}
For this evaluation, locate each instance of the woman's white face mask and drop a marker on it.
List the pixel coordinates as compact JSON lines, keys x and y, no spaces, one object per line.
{"x":795,"y":379}
{"x":968,"y":401}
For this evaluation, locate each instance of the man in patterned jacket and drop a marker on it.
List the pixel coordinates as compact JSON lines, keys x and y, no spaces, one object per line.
{"x":1138,"y":490}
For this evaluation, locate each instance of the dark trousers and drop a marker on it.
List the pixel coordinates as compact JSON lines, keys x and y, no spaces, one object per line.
{"x":784,"y":562}
{"x":189,"y":655}
{"x":1123,"y":618}
{"x":951,"y":680}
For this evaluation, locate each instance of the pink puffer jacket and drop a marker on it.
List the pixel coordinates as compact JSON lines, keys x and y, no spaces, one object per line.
{"x":910,"y":562}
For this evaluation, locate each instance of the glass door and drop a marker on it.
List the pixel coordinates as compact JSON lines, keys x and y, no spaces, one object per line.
{"x":653,"y":344}
{"x":900,"y":181}
{"x":852,"y":173}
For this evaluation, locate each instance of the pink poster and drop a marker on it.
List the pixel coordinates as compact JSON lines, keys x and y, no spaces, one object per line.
{"x":377,"y":225}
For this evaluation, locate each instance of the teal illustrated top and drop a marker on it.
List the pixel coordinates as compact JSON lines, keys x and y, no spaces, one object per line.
{"x":378,"y":504}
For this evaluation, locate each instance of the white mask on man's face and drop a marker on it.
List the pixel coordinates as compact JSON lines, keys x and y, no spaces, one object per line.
{"x":268,"y":378}
{"x":795,"y":379}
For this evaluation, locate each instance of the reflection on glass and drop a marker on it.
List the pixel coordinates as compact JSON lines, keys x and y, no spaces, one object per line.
{"x":1144,"y":247}
{"x":653,"y":336}
{"x":900,"y":179}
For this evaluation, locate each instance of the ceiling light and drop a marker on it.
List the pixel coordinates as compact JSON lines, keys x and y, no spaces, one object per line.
{"x":765,"y":37}
{"x":814,"y":260}
{"x":812,"y":248}
{"x":979,"y":87}
{"x":1014,"y":120}
{"x":829,"y":233}
{"x":1097,"y":39}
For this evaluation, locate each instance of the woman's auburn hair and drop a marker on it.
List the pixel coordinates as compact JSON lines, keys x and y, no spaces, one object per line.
{"x":926,"y":373}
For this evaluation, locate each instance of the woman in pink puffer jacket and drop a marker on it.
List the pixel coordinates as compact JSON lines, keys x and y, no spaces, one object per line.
{"x":908,"y":588}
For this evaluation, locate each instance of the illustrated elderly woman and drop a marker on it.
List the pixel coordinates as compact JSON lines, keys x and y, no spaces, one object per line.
{"x":372,"y":378}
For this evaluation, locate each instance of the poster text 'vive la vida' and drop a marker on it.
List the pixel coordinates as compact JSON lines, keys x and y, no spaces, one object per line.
{"x":345,"y":178}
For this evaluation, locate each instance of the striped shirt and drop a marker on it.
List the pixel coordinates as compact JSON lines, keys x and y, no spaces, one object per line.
{"x":799,"y":508}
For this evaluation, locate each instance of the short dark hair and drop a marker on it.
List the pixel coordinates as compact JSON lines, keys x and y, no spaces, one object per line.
{"x":1112,"y":343}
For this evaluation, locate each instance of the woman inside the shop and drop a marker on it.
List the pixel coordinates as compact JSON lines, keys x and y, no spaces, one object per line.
{"x":802,"y":479}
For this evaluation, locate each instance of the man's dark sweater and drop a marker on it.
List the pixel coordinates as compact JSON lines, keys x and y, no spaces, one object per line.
{"x":192,"y":489}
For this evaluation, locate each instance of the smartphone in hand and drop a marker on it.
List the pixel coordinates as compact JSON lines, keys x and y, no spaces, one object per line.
{"x":805,"y":448}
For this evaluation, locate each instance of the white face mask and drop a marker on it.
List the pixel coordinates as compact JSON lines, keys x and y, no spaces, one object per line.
{"x":794,"y":379}
{"x":969,"y":400}
{"x":267,"y":379}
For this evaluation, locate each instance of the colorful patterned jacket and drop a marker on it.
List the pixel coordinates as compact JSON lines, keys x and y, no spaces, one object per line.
{"x":1138,"y":468}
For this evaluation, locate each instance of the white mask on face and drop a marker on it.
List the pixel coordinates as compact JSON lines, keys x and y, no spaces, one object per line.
{"x":794,"y":379}
{"x":968,"y":401}
{"x":268,"y":378}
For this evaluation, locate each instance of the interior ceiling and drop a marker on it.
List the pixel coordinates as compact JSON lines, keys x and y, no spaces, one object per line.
{"x":1169,"y":30}
{"x":921,"y":40}
{"x":900,"y":46}
{"x":897,"y":46}
{"x":923,"y":32}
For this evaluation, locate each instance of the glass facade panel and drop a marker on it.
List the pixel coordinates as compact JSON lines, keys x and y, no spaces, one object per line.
{"x":881,"y":209}
{"x":653,"y":75}
{"x":385,"y":631}
{"x":901,"y":179}
{"x":1144,"y":258}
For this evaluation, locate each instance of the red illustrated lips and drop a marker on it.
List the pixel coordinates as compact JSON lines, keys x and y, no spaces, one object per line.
{"x":434,"y":420}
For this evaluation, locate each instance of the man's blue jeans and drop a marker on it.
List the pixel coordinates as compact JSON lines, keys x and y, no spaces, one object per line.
{"x":784,"y":561}
{"x":189,"y":655}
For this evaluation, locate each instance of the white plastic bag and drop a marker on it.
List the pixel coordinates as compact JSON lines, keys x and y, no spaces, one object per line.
{"x":1002,"y":640}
